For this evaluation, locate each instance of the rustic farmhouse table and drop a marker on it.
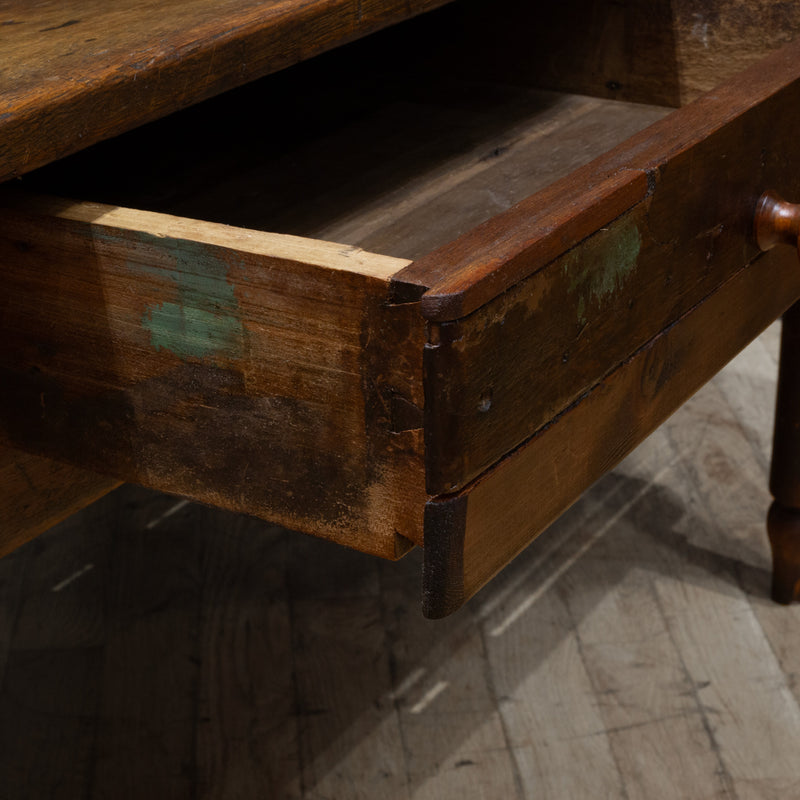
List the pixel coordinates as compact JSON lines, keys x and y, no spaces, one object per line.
{"x":552,"y":275}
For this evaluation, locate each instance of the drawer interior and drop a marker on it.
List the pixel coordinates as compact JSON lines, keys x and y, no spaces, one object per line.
{"x":362,"y":146}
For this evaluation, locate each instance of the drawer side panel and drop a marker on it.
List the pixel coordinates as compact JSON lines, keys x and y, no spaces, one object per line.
{"x":255,"y":383}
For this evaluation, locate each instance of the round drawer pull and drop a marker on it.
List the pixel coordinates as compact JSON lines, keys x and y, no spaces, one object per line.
{"x":776,"y":222}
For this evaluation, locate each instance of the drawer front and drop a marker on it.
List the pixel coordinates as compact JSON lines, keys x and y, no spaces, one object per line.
{"x":558,"y":340}
{"x":246,"y":370}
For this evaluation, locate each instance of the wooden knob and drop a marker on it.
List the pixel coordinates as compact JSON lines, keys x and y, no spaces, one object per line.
{"x":777,"y":222}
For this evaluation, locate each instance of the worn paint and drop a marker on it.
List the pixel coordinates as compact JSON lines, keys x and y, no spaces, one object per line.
{"x":205,"y":320}
{"x":599,"y":267}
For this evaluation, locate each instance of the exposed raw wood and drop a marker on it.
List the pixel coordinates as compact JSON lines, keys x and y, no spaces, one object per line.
{"x":498,"y":375}
{"x":731,"y":126}
{"x":373,"y":167}
{"x":276,"y":246}
{"x":472,"y":534}
{"x":76,"y":72}
{"x":36,"y":493}
{"x":247,"y":379}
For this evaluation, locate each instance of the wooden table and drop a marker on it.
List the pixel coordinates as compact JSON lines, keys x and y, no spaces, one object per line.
{"x":515,"y":332}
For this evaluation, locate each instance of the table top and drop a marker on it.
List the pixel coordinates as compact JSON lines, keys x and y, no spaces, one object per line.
{"x":73,"y":72}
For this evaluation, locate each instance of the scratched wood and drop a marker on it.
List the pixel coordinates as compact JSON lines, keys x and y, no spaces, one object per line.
{"x":359,"y":159}
{"x":36,"y":493}
{"x":247,"y":370}
{"x":75,"y":72}
{"x":471,"y":534}
{"x":631,"y":652}
{"x":516,"y":128}
{"x":725,"y":124}
{"x":627,"y":280}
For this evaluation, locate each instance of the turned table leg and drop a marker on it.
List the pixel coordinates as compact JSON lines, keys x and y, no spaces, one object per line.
{"x":783,"y":520}
{"x":778,"y":222}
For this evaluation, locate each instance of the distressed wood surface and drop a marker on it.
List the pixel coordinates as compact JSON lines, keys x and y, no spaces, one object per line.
{"x":496,"y":376}
{"x":730,"y":125}
{"x":36,"y":493}
{"x":249,"y":371}
{"x":471,"y":534}
{"x":360,"y":158}
{"x":447,"y":177}
{"x":632,"y":651}
{"x":77,"y":72}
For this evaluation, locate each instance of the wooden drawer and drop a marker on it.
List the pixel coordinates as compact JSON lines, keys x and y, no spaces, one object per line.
{"x":518,"y":320}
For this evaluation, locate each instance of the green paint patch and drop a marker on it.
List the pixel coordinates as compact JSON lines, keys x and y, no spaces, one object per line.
{"x":191,"y":332}
{"x":599,"y":267}
{"x":205,"y":321}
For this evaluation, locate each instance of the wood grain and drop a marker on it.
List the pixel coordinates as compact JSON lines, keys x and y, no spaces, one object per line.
{"x":716,"y":469}
{"x":230,"y":369}
{"x":465,"y":274}
{"x":472,"y":534}
{"x":78,"y":72}
{"x":359,"y":158}
{"x":37,"y":493}
{"x":499,"y":374}
{"x":588,"y":668}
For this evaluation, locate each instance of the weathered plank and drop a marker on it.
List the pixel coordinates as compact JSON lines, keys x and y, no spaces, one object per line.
{"x":734,"y":127}
{"x":360,"y":158}
{"x":36,"y":493}
{"x":75,"y":73}
{"x":252,"y":371}
{"x":470,"y":535}
{"x":559,"y":722}
{"x":348,"y":746}
{"x":497,"y":375}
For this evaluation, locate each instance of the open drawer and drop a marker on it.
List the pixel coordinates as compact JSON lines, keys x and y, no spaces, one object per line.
{"x":517,"y":320}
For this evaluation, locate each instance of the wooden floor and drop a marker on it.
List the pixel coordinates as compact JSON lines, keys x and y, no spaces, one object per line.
{"x":151,"y":648}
